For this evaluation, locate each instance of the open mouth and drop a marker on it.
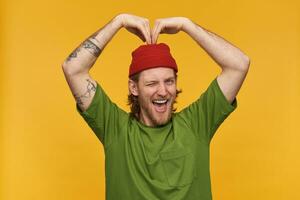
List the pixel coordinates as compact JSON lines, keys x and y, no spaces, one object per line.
{"x":160,"y":101}
{"x":160,"y":105}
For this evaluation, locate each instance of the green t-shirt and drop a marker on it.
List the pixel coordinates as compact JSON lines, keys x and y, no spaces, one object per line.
{"x":170,"y":162}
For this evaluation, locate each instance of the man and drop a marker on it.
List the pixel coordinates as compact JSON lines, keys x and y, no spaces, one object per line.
{"x":153,"y":152}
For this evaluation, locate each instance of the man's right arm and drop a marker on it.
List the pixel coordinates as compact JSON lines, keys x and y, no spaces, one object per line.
{"x":76,"y":67}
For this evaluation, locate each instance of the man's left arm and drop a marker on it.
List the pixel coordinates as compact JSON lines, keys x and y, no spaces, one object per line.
{"x":233,"y":61}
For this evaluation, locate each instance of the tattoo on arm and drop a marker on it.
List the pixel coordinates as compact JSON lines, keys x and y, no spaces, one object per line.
{"x":92,"y":48}
{"x":90,"y":88}
{"x":88,"y":45}
{"x":73,"y":54}
{"x":94,"y":37}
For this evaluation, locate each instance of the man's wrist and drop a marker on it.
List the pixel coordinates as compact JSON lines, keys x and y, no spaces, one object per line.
{"x":187,"y":25}
{"x":117,"y":21}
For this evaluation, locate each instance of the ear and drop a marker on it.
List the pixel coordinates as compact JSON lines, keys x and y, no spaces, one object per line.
{"x":133,"y":88}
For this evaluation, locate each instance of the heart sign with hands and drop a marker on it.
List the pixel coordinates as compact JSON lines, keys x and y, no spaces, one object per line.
{"x":141,"y":27}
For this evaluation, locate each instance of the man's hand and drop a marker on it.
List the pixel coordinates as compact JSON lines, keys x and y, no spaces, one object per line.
{"x":167,"y":25}
{"x":137,"y":25}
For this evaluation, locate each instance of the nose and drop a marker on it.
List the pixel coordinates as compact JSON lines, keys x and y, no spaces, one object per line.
{"x":162,"y":90}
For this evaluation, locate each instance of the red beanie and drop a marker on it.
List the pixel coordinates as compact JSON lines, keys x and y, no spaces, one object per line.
{"x":151,"y":56}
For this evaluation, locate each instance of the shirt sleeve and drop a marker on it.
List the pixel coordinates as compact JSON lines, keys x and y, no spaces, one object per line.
{"x":207,"y":113}
{"x":103,"y":117}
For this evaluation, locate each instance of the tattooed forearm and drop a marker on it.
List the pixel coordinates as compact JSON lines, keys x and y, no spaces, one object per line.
{"x":73,"y":54}
{"x":90,"y":89}
{"x":92,"y":48}
{"x":88,"y":45}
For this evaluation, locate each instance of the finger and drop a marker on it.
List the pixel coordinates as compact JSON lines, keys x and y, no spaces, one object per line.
{"x":153,"y":31}
{"x":148,"y":33}
{"x":156,"y":32}
{"x":143,"y":31}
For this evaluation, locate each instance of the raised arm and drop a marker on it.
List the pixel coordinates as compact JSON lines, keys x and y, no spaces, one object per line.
{"x":233,"y":61}
{"x":77,"y":65}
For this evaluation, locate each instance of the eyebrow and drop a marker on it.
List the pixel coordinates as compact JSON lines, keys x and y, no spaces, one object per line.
{"x":154,"y":81}
{"x":170,"y":78}
{"x":151,"y":81}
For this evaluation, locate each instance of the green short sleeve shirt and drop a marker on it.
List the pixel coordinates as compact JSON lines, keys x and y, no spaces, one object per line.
{"x":158,"y":163}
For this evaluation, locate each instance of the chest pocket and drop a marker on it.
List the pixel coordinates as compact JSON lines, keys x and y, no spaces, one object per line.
{"x":179,"y":167}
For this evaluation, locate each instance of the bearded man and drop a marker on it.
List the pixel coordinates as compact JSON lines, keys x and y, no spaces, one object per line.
{"x":153,"y":152}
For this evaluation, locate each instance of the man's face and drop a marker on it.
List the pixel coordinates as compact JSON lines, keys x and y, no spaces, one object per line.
{"x":156,"y":91}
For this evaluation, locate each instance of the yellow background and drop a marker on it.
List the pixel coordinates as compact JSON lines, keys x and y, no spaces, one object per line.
{"x":48,"y":152}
